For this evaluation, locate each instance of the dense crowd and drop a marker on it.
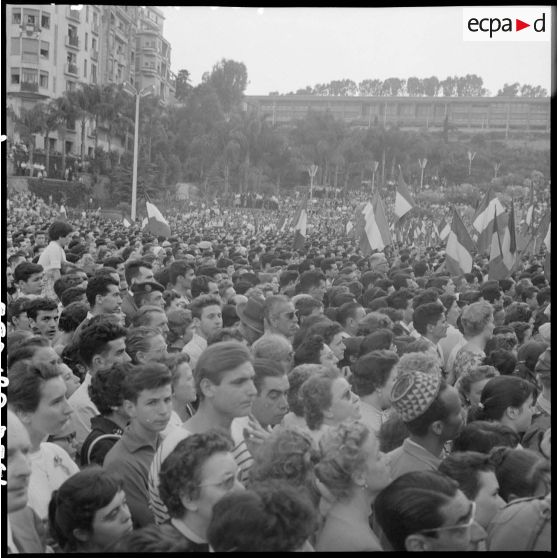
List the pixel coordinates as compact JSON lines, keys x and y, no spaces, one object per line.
{"x":220,"y":390}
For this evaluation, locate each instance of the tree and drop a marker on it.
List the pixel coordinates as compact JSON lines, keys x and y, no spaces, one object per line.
{"x":85,"y":101}
{"x":229,"y":78}
{"x":54,"y":120}
{"x":533,"y":91}
{"x":431,"y":86}
{"x":183,"y":85}
{"x":415,"y":87}
{"x":28,"y":123}
{"x":449,"y":86}
{"x":509,"y":90}
{"x":370,"y":88}
{"x":393,"y":86}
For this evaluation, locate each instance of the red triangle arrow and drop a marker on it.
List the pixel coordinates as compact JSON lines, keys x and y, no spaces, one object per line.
{"x":519,"y":25}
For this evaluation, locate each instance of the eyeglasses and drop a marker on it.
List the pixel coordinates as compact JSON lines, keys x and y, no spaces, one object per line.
{"x":227,"y":484}
{"x":463,"y":526}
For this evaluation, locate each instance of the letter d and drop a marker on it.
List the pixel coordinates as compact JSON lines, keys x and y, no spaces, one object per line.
{"x":535,"y":25}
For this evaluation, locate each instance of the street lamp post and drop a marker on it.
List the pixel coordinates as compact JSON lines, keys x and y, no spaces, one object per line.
{"x":374,"y":169}
{"x":471,"y":156}
{"x":137,"y":94}
{"x":422,"y":163}
{"x":312,"y":170}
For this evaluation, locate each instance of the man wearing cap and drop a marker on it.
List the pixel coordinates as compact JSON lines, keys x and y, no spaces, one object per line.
{"x":149,"y":293}
{"x":251,"y":314}
{"x":207,"y":320}
{"x":431,"y":410}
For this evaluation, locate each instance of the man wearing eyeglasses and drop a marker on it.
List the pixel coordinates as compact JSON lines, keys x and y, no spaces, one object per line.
{"x":280,"y":316}
{"x":426,"y":511}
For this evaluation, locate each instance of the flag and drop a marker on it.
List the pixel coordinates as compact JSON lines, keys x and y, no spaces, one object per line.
{"x":459,"y":248}
{"x":300,"y":222}
{"x":376,"y":235}
{"x":348,"y":227}
{"x":403,"y":200}
{"x":443,"y":229}
{"x":156,"y":223}
{"x":281,"y":223}
{"x":143,"y":223}
{"x":496,"y":268}
{"x":125,"y":222}
{"x":484,"y":215}
{"x":509,"y":243}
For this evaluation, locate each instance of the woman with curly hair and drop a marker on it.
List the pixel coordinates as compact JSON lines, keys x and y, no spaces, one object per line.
{"x":196,"y":474}
{"x":269,"y":517}
{"x":327,"y":401}
{"x":351,"y":473}
{"x":290,"y":455}
{"x":89,"y":512}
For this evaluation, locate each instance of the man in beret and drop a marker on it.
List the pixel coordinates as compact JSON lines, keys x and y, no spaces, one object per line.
{"x":431,"y":410}
{"x":148,"y":293}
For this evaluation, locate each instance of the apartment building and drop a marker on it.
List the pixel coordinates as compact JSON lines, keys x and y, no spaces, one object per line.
{"x":51,"y":48}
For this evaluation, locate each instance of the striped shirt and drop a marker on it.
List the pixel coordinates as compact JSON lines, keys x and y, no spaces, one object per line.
{"x":240,"y":452}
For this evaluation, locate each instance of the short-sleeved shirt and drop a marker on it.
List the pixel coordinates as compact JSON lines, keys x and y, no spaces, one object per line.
{"x":50,"y":467}
{"x":130,"y":458}
{"x":52,"y":257}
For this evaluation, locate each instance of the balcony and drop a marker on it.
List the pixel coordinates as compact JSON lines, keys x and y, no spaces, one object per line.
{"x":148,"y":70}
{"x":73,"y":14}
{"x":71,"y":69}
{"x":30,"y":86}
{"x":30,"y":29}
{"x":94,"y":55}
{"x":72,"y":41}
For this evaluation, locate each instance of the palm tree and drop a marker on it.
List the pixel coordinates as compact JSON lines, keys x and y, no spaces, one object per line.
{"x":28,"y":123}
{"x":55,"y":120}
{"x":67,"y":112}
{"x":85,"y":100}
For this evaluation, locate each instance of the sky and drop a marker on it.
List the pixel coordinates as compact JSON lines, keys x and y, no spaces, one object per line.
{"x":285,"y":49}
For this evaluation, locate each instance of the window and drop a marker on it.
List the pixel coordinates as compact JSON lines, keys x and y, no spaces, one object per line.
{"x":16,"y":16}
{"x":43,"y":79}
{"x":15,"y":47}
{"x":29,"y":75}
{"x":93,"y":43}
{"x":71,"y":86}
{"x":69,"y":144}
{"x":95,"y":18}
{"x":86,"y":38}
{"x":30,"y":20}
{"x":54,"y":84}
{"x":15,"y":76}
{"x":93,"y":73}
{"x":85,"y":68}
{"x":30,"y":50}
{"x":86,"y":13}
{"x":44,"y":50}
{"x":45,"y":21}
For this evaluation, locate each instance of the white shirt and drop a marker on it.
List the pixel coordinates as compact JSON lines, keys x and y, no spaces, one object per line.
{"x":194,"y":348}
{"x":84,"y":410}
{"x":50,"y":467}
{"x":52,"y":257}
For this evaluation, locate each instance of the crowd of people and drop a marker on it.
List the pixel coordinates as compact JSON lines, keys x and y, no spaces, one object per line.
{"x":219,"y":390}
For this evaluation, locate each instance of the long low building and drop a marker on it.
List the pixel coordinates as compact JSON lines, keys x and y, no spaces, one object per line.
{"x":474,"y":113}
